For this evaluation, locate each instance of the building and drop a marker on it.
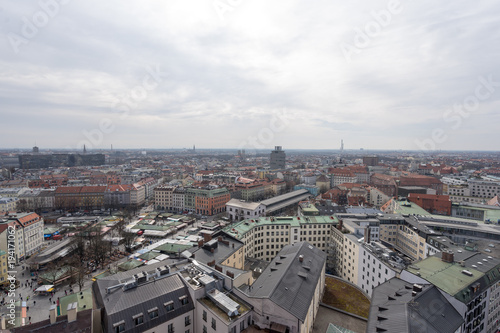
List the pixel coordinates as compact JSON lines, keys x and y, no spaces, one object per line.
{"x":469,"y":280}
{"x":370,"y":160}
{"x":484,"y":189}
{"x":312,"y":189}
{"x":434,"y":204}
{"x":286,"y":296}
{"x":39,"y":161}
{"x":164,"y":197}
{"x":79,"y":197}
{"x":238,"y":210}
{"x":28,"y":234}
{"x":211,"y":200}
{"x":377,"y":198}
{"x":148,"y":301}
{"x":264,"y":237}
{"x":485,"y":213}
{"x":401,"y":307}
{"x":8,"y":204}
{"x":277,"y":159}
{"x":341,"y":176}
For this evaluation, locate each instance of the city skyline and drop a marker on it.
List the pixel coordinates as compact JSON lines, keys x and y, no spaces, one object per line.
{"x":381,"y":75}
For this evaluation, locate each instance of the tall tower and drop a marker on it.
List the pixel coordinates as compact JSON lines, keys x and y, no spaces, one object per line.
{"x":84,"y":149}
{"x":341,"y":145}
{"x":277,"y":159}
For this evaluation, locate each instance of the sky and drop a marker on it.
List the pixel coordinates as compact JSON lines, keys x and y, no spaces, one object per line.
{"x":413,"y":75}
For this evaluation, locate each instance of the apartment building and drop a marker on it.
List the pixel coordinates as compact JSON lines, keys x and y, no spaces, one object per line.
{"x":341,"y":176}
{"x":28,"y":236}
{"x":484,"y":189}
{"x":264,"y":237}
{"x":164,"y":197}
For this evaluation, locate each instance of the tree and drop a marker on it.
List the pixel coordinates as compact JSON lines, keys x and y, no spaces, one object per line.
{"x":99,"y":248}
{"x":22,"y":205}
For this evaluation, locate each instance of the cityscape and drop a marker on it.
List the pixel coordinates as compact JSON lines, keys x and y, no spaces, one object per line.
{"x":231,"y":166}
{"x":223,"y":240}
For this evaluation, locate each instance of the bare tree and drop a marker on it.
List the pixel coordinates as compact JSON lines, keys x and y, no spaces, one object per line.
{"x":22,"y":205}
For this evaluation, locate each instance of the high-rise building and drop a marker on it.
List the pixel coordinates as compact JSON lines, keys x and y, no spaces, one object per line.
{"x":277,"y":159}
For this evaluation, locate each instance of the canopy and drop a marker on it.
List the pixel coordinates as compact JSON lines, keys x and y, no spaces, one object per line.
{"x":45,"y":288}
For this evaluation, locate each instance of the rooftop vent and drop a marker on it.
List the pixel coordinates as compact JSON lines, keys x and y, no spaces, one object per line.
{"x":466,"y":272}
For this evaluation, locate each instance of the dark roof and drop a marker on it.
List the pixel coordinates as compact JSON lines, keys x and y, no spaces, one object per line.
{"x":290,"y":283}
{"x":123,"y":305}
{"x":82,"y":324}
{"x":394,"y":308}
{"x":222,"y":250}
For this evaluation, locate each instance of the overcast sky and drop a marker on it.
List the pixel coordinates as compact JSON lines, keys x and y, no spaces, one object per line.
{"x":250,"y":74}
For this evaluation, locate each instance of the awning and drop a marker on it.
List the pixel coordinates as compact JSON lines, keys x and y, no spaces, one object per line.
{"x":45,"y":288}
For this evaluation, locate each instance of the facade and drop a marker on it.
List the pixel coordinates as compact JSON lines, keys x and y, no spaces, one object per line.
{"x":211,"y":201}
{"x":28,"y":234}
{"x":484,"y":189}
{"x":77,"y":197}
{"x":38,"y":161}
{"x":377,"y":198}
{"x":341,"y":176}
{"x":264,"y":237}
{"x":277,"y":159}
{"x":178,"y":196}
{"x":117,"y":195}
{"x":434,"y":204}
{"x":238,"y":210}
{"x":8,"y":204}
{"x":164,"y":197}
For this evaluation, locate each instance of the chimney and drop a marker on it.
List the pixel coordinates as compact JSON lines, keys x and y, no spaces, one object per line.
{"x":2,"y":325}
{"x":212,"y":250}
{"x":200,"y":243}
{"x":71,"y":310}
{"x":447,"y":256}
{"x":53,"y":314}
{"x":301,"y":258}
{"x":340,"y":225}
{"x":207,"y":238}
{"x":367,"y":235}
{"x":220,"y":238}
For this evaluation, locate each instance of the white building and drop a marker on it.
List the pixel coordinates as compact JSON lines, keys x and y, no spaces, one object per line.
{"x":238,"y":210}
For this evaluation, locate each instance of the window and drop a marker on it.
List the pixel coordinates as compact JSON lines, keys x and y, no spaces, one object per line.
{"x":184,"y":300}
{"x":242,"y":325}
{"x":186,"y":331}
{"x":119,"y":326}
{"x":214,"y":324}
{"x":169,"y":306}
{"x":204,"y":315}
{"x":138,"y":319}
{"x":204,"y":329}
{"x":153,"y":313}
{"x":170,"y":328}
{"x":187,"y":321}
